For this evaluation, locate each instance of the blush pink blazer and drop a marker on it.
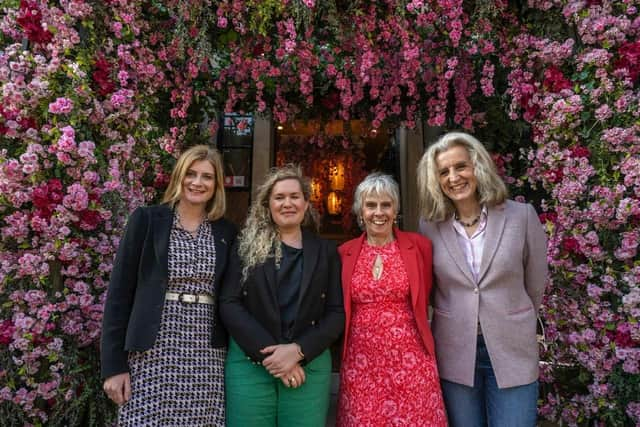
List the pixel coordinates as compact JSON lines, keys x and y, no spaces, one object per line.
{"x":415,"y":251}
{"x":505,"y":299}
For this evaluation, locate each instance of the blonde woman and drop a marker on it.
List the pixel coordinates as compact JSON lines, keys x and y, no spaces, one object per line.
{"x":490,"y":270}
{"x":282,"y":305}
{"x":163,"y":346}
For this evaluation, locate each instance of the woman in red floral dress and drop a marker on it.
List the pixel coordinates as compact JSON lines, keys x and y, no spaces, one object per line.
{"x":389,"y":374}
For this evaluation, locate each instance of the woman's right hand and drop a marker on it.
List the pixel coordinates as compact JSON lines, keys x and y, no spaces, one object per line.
{"x":118,"y":388}
{"x":294,"y":378}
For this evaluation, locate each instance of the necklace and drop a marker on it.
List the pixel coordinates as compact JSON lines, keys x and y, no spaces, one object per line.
{"x":471,"y":223}
{"x":378,"y":267}
{"x":193,"y":231}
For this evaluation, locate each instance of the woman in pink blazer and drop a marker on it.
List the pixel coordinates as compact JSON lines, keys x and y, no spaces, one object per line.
{"x":388,"y":375}
{"x":490,"y":272}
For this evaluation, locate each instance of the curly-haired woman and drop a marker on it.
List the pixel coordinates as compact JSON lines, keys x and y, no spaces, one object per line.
{"x":282,"y":305}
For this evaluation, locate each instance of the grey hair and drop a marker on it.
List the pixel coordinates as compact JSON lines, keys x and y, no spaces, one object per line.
{"x":434,"y":205}
{"x":379,"y":184}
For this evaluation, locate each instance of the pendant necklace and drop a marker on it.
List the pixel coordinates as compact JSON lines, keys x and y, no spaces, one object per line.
{"x":378,"y":267}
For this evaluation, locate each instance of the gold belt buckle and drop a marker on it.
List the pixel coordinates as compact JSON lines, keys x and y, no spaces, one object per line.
{"x":188,"y":298}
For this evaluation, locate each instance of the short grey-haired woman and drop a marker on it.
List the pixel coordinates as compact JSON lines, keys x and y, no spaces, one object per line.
{"x":490,"y":272}
{"x":282,"y":304}
{"x":388,"y":374}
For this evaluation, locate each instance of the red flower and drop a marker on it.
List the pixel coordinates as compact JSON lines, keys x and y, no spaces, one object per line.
{"x":55,"y":185}
{"x":89,"y":219}
{"x":548,"y":217}
{"x":6,"y":332}
{"x":570,"y":245}
{"x":554,"y":175}
{"x":45,"y":196}
{"x":102,"y":76}
{"x":623,"y":339}
{"x":554,"y":80}
{"x":630,"y":59}
{"x":40,"y":196}
{"x":580,"y":151}
{"x":27,"y":123}
{"x":30,"y":19}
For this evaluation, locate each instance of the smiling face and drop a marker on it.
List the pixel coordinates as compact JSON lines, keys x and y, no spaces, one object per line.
{"x":199,"y":183}
{"x":456,"y":176}
{"x":287,"y":204}
{"x":378,"y":214}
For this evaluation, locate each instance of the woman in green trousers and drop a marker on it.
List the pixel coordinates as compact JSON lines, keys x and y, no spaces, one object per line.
{"x":281,"y":302}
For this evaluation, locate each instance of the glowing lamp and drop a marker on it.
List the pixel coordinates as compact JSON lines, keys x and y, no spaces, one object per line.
{"x":336,"y":176}
{"x":334,"y":203}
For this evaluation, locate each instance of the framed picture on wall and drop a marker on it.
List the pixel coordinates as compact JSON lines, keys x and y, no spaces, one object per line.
{"x":237,"y":167}
{"x":235,"y":143}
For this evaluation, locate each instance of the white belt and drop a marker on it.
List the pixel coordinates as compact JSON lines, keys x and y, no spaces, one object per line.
{"x":189,"y":298}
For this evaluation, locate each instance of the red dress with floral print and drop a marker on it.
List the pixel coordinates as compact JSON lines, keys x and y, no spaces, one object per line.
{"x":387,"y":376}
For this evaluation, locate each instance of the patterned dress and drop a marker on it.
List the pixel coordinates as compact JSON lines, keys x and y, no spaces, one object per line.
{"x":180,"y":380}
{"x":387,"y":376}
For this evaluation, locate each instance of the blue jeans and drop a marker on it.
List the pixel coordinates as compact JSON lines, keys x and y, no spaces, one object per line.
{"x":485,"y":404}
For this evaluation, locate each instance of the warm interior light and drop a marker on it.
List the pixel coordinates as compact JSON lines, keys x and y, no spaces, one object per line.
{"x":336,"y":175}
{"x":334,"y":203}
{"x":315,"y":190}
{"x":279,"y":127}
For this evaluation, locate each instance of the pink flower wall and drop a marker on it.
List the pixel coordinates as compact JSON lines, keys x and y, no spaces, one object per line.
{"x":97,"y":97}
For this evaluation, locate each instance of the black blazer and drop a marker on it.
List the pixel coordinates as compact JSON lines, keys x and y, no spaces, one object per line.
{"x":135,"y":297}
{"x":251,"y":313}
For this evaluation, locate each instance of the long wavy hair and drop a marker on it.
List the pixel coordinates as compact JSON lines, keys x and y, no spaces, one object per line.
{"x":260,"y":237}
{"x":434,"y":205}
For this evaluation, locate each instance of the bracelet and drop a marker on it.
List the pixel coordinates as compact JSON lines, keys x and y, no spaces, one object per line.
{"x":299,"y":350}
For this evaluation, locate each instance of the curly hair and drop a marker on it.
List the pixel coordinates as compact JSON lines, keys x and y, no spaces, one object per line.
{"x":260,"y":236}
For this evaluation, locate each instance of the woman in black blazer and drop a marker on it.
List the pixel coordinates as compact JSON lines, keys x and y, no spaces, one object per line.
{"x":281,"y":302}
{"x":163,"y":347}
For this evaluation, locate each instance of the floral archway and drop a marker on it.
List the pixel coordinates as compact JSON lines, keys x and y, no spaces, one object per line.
{"x":97,"y":97}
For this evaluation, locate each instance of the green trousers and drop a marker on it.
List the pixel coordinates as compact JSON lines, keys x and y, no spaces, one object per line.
{"x":256,"y":399}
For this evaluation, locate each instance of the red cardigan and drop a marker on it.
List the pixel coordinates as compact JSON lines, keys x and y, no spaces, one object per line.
{"x":416,"y":253}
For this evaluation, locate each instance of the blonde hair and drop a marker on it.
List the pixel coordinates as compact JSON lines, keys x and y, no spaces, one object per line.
{"x":215,"y":207}
{"x":434,"y":204}
{"x":260,"y":237}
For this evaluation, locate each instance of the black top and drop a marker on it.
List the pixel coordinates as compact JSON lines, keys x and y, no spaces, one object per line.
{"x":288,"y":279}
{"x":251,"y":311}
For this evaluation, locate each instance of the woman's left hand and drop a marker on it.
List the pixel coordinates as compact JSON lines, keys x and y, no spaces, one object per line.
{"x":282,"y":358}
{"x":294,"y":378}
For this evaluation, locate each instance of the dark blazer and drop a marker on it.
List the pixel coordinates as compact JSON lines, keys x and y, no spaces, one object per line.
{"x":251,"y":313}
{"x":416,"y":254}
{"x":135,"y":297}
